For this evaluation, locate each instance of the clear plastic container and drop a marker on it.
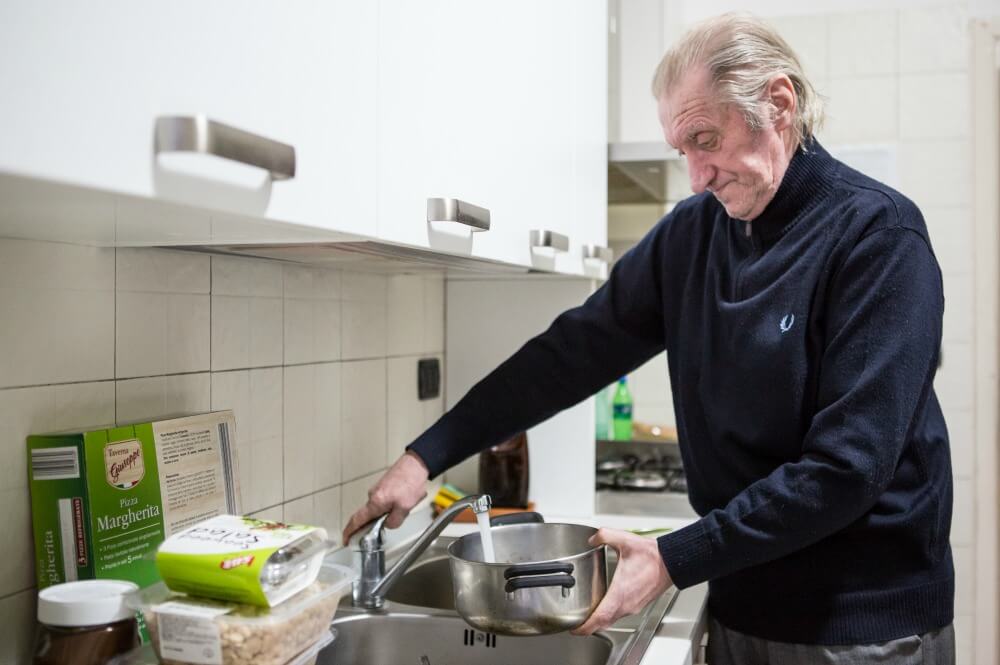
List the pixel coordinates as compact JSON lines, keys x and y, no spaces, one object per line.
{"x":146,"y":656}
{"x":184,"y":628}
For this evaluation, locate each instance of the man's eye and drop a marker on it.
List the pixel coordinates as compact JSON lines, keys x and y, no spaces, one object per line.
{"x":706,"y":141}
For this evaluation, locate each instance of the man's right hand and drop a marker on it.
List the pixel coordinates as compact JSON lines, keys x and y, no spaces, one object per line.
{"x":396,"y":492}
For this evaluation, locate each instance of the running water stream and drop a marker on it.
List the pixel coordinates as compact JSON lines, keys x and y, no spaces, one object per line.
{"x":486,"y":536}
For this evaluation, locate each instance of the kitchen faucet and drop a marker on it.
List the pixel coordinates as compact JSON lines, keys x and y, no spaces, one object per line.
{"x":370,"y":588}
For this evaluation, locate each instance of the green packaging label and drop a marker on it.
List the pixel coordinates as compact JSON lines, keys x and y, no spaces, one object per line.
{"x":102,"y":501}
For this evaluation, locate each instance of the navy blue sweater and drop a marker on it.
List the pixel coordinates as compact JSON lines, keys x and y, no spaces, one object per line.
{"x":802,"y":349}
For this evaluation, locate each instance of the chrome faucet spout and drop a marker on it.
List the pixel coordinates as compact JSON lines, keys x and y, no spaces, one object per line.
{"x":373,"y":584}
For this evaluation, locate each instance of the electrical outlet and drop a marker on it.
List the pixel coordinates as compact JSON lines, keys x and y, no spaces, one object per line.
{"x":428,"y":378}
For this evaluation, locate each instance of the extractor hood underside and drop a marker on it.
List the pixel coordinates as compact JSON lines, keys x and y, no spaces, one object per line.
{"x":638,"y":172}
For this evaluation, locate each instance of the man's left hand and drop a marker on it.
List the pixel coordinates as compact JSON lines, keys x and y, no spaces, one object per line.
{"x":639,"y":578}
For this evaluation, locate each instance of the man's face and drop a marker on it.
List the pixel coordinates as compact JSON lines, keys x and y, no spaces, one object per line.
{"x":740,"y":167}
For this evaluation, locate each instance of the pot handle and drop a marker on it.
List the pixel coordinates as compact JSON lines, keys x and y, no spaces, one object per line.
{"x":522,"y":569}
{"x":533,"y":581}
{"x":517,"y":518}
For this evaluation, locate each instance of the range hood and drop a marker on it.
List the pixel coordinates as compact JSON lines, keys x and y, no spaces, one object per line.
{"x":637,"y":171}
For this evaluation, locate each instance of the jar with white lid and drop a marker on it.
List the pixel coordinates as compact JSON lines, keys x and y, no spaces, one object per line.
{"x":85,"y":623}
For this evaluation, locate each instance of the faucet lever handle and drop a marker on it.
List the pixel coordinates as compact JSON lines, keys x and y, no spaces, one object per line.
{"x":372,"y":540}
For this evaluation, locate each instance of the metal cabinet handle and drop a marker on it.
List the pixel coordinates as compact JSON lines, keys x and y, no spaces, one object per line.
{"x":198,"y":133}
{"x":598,"y":253}
{"x":542,"y":239}
{"x":454,"y":210}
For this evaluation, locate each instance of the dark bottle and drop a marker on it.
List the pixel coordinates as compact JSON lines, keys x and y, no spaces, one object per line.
{"x":503,"y":472}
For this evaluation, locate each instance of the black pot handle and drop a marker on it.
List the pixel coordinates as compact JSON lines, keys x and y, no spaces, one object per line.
{"x":522,"y":569}
{"x":533,"y":581}
{"x":517,"y":518}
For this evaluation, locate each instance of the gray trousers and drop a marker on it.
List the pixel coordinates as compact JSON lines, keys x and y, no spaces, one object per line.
{"x":728,"y":647}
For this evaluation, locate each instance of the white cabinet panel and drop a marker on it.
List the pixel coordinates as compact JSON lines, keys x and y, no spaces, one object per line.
{"x":478,"y":101}
{"x":85,"y":83}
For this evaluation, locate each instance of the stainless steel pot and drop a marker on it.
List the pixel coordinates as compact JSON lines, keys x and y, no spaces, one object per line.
{"x":548,"y":578}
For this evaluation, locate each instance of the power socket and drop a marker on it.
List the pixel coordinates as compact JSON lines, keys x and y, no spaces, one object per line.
{"x":428,"y":378}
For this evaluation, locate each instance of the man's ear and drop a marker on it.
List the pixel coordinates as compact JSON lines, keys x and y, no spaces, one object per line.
{"x":783,"y":101}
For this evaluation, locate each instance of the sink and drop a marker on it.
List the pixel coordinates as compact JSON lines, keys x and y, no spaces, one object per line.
{"x":418,"y":625}
{"x":398,"y":638}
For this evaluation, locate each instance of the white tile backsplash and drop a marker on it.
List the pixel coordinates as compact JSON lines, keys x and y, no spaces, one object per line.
{"x":364,"y":330}
{"x":963,"y":445}
{"x":953,"y":382}
{"x":408,"y":416}
{"x":312,"y":330}
{"x":936,"y":172}
{"x":255,"y":396}
{"x":313,"y":428}
{"x":862,"y":110}
{"x":326,"y":512}
{"x":55,"y":335}
{"x":965,"y":575}
{"x":364,"y":417}
{"x":963,"y":513}
{"x":405,"y":315}
{"x":52,"y":265}
{"x":950,"y":231}
{"x":958,"y":304}
{"x":863,"y":44}
{"x":17,"y":630}
{"x":434,"y":313}
{"x":933,"y":39}
{"x":163,"y":271}
{"x":158,"y":396}
{"x":162,"y":333}
{"x":415,"y":314}
{"x":809,"y":37}
{"x":934,"y":106}
{"x":246,"y":332}
{"x":236,"y":276}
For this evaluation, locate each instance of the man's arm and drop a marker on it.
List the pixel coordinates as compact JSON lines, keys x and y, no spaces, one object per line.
{"x":883,"y":335}
{"x":617,"y":329}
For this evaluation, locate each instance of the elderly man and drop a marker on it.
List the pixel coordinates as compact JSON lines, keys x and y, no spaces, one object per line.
{"x":800,"y":305}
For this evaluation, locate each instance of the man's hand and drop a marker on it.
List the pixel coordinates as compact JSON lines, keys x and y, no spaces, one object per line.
{"x":396,"y":492}
{"x":639,"y":578}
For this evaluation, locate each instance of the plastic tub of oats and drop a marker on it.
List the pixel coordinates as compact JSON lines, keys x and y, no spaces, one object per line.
{"x":242,"y":559}
{"x":188,"y":630}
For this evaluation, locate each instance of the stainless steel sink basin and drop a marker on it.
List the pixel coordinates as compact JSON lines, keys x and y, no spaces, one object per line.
{"x":419,"y":626}
{"x":410,"y":639}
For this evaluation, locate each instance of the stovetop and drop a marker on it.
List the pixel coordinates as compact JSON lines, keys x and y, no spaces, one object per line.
{"x":649,"y":471}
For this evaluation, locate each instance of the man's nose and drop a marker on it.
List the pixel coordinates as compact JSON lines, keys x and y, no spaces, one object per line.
{"x":700,"y":173}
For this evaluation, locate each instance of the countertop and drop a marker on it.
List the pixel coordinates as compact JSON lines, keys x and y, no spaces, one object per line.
{"x":679,"y":637}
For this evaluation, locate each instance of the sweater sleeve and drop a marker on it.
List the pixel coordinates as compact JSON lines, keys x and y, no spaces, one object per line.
{"x":883,"y":332}
{"x":618,"y":328}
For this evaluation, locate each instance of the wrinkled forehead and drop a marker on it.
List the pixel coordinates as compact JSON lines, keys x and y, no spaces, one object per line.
{"x":690,"y":100}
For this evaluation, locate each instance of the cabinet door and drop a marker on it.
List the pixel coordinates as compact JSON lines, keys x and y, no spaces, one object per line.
{"x":477,"y":102}
{"x":86,"y":83}
{"x":590,"y":184}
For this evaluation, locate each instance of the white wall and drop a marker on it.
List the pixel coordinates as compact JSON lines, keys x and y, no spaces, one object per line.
{"x":319,"y":366}
{"x":896,"y":74}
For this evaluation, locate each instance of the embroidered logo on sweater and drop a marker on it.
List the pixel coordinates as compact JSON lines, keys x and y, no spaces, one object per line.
{"x":787,"y":321}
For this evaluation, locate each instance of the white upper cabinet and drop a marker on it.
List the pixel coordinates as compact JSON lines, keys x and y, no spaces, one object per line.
{"x":86,"y":84}
{"x":481,"y":101}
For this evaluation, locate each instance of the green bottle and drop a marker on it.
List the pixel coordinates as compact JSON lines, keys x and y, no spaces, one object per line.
{"x":621,"y":416}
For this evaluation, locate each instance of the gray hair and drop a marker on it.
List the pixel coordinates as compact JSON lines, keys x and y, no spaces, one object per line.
{"x":742,"y":54}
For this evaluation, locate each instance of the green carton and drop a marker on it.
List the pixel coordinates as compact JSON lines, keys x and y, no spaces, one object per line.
{"x":102,"y":501}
